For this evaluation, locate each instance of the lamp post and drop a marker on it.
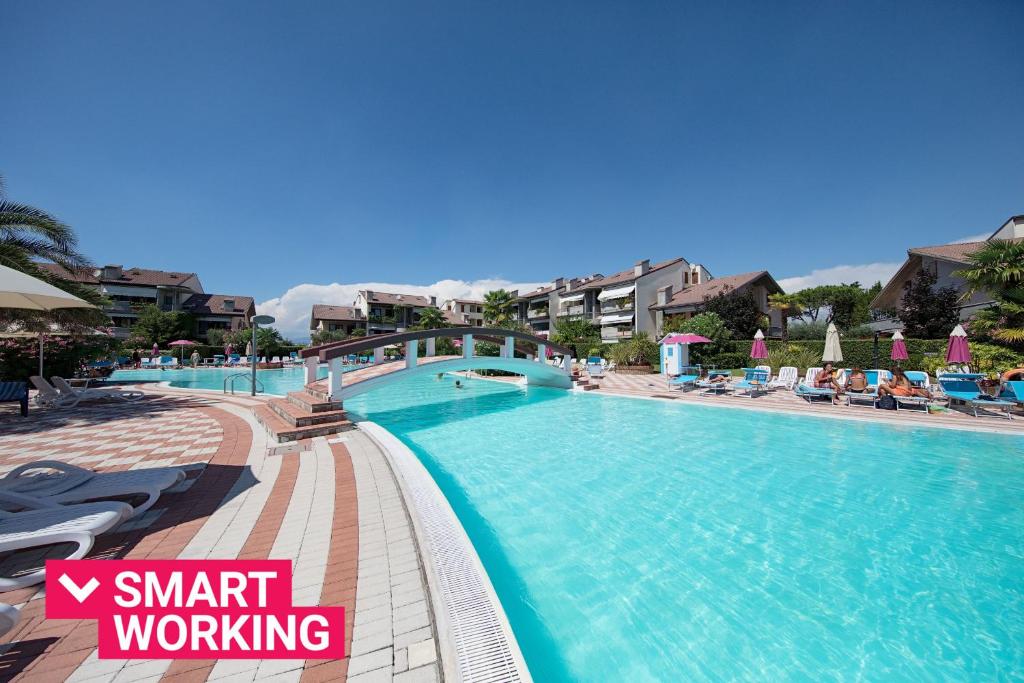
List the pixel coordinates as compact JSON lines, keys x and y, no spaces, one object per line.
{"x":257,"y":320}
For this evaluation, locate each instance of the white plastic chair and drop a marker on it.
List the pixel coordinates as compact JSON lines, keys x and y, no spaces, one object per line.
{"x":787,"y":378}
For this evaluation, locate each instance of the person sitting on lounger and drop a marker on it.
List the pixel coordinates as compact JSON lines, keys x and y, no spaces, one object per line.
{"x":901,"y":386}
{"x":826,"y":379}
{"x":857,"y":382}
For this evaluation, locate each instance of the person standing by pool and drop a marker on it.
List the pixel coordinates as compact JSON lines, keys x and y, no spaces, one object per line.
{"x":194,"y":359}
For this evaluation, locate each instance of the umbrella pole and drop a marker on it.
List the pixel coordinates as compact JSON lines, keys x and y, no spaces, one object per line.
{"x":40,"y":354}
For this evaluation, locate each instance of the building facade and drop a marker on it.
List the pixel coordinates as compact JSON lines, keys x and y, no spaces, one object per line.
{"x":386,"y":312}
{"x":468,"y":312}
{"x":691,"y":298}
{"x":943,"y":261}
{"x":129,"y":290}
{"x":345,"y":319}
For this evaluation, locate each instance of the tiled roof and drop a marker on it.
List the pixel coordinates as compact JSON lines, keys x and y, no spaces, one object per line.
{"x":535,"y":293}
{"x":82,"y":275}
{"x":325,"y":312}
{"x":467,"y":301}
{"x":398,"y":299}
{"x":625,"y":276}
{"x":697,"y":294}
{"x":455,"y":319}
{"x":206,"y":304}
{"x":129,"y":276}
{"x":949,"y":252}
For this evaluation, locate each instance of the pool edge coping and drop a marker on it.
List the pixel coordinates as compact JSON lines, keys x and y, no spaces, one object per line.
{"x":430,"y":507}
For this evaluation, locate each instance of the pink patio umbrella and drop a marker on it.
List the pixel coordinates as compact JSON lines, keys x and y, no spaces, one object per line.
{"x":228,"y":350}
{"x":899,"y":349}
{"x":759,"y":350}
{"x":958,"y":351}
{"x":156,"y":349}
{"x":182,"y":343}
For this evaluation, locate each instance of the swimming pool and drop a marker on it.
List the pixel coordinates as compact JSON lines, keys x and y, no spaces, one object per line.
{"x":634,"y":540}
{"x":278,"y":382}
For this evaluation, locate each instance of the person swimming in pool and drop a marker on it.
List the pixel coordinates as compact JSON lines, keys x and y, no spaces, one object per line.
{"x":458,"y":384}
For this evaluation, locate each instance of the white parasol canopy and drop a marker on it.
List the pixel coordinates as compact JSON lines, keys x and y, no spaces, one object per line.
{"x":833,"y":352}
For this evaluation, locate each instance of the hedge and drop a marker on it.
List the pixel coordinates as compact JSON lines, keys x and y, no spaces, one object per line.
{"x":860,"y":352}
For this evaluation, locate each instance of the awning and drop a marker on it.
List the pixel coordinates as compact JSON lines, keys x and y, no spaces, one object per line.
{"x":572,"y":297}
{"x":616,"y":293}
{"x":615,"y":319}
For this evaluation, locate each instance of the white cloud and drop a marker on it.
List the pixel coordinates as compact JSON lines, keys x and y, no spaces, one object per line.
{"x":866,"y":274}
{"x":293,"y":307}
{"x":973,"y":238}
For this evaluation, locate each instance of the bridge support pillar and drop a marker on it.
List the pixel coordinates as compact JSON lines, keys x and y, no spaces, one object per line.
{"x":542,"y":353}
{"x":412,"y":349}
{"x":378,"y":355}
{"x":334,"y":374}
{"x":431,"y":346}
{"x":467,"y":346}
{"x":310,"y":365}
{"x":509,"y":350}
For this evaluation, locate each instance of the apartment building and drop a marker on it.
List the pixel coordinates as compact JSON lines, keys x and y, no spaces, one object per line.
{"x":689,"y":300}
{"x":387,"y":312}
{"x":347,"y":319}
{"x":131,"y":289}
{"x":464,"y":311}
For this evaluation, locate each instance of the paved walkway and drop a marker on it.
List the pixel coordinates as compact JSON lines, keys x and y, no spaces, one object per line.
{"x":656,"y":386}
{"x":329,"y":504}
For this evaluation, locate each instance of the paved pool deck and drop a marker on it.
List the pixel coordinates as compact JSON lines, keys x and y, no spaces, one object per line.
{"x":330,"y":504}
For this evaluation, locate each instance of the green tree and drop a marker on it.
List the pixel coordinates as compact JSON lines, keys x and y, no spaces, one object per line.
{"x":326,"y":336}
{"x":578,"y":334}
{"x":998,"y":268}
{"x":788,"y":307}
{"x":498,"y":308}
{"x":708,"y":325}
{"x":29,"y":235}
{"x":161,"y":327}
{"x":431,"y":319}
{"x":928,"y":312}
{"x":739,"y":312}
{"x":639,"y":350}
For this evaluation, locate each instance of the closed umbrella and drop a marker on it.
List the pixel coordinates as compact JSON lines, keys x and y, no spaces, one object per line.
{"x":228,"y":350}
{"x":833,"y":351}
{"x":899,"y":349}
{"x":958,"y":351}
{"x":758,"y":349}
{"x":18,"y":290}
{"x":156,"y":350}
{"x":248,"y":351}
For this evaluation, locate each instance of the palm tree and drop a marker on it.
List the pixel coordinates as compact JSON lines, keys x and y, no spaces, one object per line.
{"x":28,"y":236}
{"x":498,"y":308}
{"x":998,"y":268}
{"x":431,"y":319}
{"x":789,"y":306}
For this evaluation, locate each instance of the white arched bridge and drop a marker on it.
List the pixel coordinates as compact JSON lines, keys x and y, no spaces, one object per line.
{"x":534,"y":367}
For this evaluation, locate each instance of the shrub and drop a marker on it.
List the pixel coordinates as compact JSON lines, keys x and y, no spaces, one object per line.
{"x":62,"y":356}
{"x":640,"y":350}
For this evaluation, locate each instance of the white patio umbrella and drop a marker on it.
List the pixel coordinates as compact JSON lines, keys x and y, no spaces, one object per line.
{"x":833,"y":352}
{"x":18,"y":290}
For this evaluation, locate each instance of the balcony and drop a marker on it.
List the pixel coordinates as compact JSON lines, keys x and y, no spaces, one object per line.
{"x":537,"y":313}
{"x":615,"y":333}
{"x":571,"y":312}
{"x":617,"y":306}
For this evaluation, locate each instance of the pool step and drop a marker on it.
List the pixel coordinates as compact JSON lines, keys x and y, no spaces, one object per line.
{"x":583,"y":384}
{"x":282,"y":430}
{"x":313,"y":404}
{"x":300,"y":416}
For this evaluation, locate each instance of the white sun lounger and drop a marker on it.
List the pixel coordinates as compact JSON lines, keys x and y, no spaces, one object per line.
{"x":807,"y":390}
{"x":64,"y":388}
{"x":46,"y":523}
{"x":49,"y":396}
{"x":787,"y":378}
{"x":64,"y":483}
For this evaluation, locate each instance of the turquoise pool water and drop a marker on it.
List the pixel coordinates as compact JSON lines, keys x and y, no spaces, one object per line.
{"x":278,"y":382}
{"x":635,"y":540}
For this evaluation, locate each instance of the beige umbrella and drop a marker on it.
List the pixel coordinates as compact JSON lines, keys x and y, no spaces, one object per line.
{"x":18,"y":290}
{"x":833,"y":352}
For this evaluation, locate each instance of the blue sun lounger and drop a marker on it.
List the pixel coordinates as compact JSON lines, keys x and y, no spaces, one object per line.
{"x":15,"y":392}
{"x":1013,"y":392}
{"x":964,"y":388}
{"x":754,"y":381}
{"x":716,"y":388}
{"x":687,"y":379}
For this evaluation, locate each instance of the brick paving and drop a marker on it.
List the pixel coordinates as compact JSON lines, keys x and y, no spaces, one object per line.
{"x":244,"y":498}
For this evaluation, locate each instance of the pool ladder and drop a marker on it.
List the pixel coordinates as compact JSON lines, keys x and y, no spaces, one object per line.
{"x":229,"y":382}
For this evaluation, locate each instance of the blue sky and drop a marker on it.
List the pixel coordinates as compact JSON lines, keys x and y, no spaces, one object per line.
{"x":277,"y":148}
